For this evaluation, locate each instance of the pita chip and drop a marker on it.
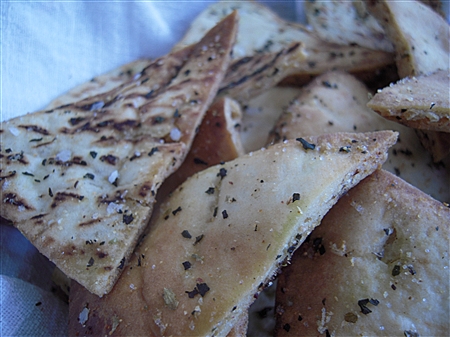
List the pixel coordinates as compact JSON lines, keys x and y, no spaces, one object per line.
{"x":421,"y":102}
{"x":345,"y":23}
{"x":420,"y":35}
{"x":376,"y":266}
{"x":79,"y":181}
{"x":224,"y":233}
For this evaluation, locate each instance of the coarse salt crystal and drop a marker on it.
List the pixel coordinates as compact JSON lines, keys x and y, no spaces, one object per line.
{"x":14,"y":131}
{"x":64,"y":155}
{"x":113,"y":176}
{"x":175,"y":134}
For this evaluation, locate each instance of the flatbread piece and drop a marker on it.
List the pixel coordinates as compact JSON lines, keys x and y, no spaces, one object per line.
{"x":79,"y":181}
{"x":421,"y":102}
{"x":224,"y":233}
{"x":376,"y":266}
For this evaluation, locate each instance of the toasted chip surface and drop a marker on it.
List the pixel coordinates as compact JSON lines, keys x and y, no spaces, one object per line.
{"x":346,"y":22}
{"x":101,"y":83}
{"x":421,"y":38}
{"x":246,"y":216}
{"x":421,"y":102}
{"x":280,"y":50}
{"x":80,"y":180}
{"x":420,"y":35}
{"x":377,"y":265}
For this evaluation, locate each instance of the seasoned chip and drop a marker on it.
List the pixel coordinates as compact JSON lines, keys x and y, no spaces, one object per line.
{"x":346,"y":22}
{"x":336,"y":102}
{"x":217,"y":140}
{"x":215,"y":250}
{"x":421,"y":102}
{"x":280,"y":50}
{"x":420,"y":35}
{"x":80,"y":180}
{"x":376,"y":266}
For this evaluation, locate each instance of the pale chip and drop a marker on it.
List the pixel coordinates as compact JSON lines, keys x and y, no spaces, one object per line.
{"x":346,"y":22}
{"x":421,"y":102}
{"x":376,"y":266}
{"x":215,"y":250}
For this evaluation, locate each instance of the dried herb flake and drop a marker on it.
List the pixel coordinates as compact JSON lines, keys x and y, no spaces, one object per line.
{"x":306,"y":145}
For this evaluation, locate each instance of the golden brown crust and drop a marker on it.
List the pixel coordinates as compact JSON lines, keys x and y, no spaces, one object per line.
{"x":377,"y":265}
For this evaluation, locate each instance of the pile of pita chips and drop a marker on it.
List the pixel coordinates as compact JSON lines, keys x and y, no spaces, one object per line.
{"x":224,"y":233}
{"x":421,"y":39}
{"x":217,"y":140}
{"x":376,"y":266}
{"x":79,"y":181}
{"x":269,"y":55}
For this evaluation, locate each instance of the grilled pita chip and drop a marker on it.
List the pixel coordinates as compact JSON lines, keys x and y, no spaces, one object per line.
{"x":79,"y":181}
{"x":421,"y":102}
{"x":376,"y":266}
{"x":224,"y":233}
{"x":262,"y":60}
{"x":345,"y":23}
{"x":336,"y":102}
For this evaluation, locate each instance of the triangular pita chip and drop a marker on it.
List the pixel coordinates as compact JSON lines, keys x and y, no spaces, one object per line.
{"x":376,"y":266}
{"x":80,"y":180}
{"x":336,"y":102}
{"x":224,"y":233}
{"x":421,"y":102}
